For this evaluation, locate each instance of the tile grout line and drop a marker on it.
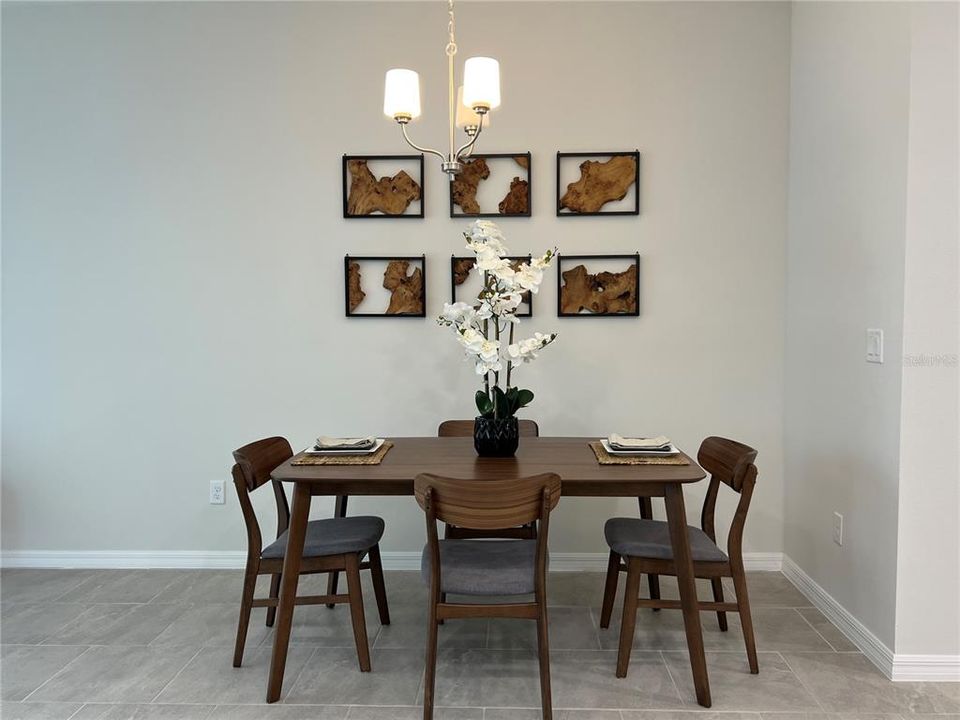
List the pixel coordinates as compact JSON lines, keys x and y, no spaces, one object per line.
{"x":802,"y":683}
{"x":676,"y":685}
{"x":176,"y":675}
{"x":80,"y":584}
{"x":822,"y":636}
{"x":303,"y":668}
{"x":77,"y":711}
{"x":27,"y":696}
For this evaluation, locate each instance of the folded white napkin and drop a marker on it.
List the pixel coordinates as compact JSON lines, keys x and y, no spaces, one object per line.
{"x":660,"y":442}
{"x":332,"y":443}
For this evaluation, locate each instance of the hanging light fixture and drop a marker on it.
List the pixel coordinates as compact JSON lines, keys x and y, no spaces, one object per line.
{"x":468,"y":105}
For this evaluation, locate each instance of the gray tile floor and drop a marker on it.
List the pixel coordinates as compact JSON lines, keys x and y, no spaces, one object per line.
{"x":157,"y":645}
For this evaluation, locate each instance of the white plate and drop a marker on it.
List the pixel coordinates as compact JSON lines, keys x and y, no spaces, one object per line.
{"x":369,"y":451}
{"x":669,"y":452}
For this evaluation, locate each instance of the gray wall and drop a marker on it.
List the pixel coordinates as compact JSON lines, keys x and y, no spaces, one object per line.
{"x":173,"y":246}
{"x":873,"y":244}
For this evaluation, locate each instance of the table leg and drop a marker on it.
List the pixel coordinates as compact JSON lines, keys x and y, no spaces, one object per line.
{"x":288,"y":588}
{"x":339,"y":511}
{"x":677,"y":519}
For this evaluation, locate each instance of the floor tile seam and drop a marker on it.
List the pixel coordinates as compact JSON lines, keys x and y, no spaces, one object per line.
{"x":293,"y":683}
{"x":77,"y":711}
{"x":676,"y":685}
{"x":90,"y":609}
{"x":77,"y":586}
{"x":822,"y":636}
{"x":176,"y":675}
{"x":36,"y":689}
{"x":802,"y":683}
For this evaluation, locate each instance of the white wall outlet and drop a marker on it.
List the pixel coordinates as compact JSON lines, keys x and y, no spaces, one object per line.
{"x":874,"y":345}
{"x":217,"y":493}
{"x":838,"y":528}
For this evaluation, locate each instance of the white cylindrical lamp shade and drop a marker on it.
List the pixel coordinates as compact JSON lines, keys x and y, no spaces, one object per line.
{"x":481,"y":83}
{"x":466,"y":117}
{"x":401,"y":94}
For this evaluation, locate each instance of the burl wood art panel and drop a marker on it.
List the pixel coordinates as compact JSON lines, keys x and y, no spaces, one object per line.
{"x":601,"y":183}
{"x":383,"y":186}
{"x":466,"y":282}
{"x":385,"y":287}
{"x":485,"y":189}
{"x":603,"y":292}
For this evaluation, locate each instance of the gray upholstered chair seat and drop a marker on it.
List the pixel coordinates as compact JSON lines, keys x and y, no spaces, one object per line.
{"x":333,"y":536}
{"x":633,"y":537}
{"x":484,"y":567}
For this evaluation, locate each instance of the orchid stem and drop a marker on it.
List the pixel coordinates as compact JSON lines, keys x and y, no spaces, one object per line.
{"x":510,"y":362}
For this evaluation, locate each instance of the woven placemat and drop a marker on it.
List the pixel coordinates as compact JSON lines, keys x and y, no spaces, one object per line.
{"x":605,"y":458}
{"x":371,"y":459}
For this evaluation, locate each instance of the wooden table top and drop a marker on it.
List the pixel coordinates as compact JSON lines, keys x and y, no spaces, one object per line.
{"x":569,"y":457}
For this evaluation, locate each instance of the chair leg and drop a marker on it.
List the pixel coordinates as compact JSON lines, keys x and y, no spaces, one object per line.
{"x":629,"y":621}
{"x":746,"y":621}
{"x":610,"y":589}
{"x":379,"y":588}
{"x":274,"y":594}
{"x":653,"y":582}
{"x":246,"y":605}
{"x":718,"y":597}
{"x":339,"y":511}
{"x":356,"y":610}
{"x":430,"y":665}
{"x":543,"y":647}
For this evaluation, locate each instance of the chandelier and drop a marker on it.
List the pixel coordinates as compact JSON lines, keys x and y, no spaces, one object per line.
{"x":468,"y":105}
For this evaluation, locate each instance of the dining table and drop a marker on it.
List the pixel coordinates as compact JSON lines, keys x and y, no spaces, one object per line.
{"x":572,"y":458}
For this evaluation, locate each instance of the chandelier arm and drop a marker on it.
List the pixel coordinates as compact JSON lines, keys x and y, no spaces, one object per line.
{"x":403,"y":127}
{"x":467,"y":148}
{"x":451,"y":51}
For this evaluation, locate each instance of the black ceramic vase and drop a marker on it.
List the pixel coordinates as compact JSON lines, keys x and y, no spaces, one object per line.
{"x":496,"y":437}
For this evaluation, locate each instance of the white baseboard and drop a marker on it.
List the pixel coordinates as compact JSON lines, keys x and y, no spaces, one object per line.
{"x":232,"y":559}
{"x":923,"y":668}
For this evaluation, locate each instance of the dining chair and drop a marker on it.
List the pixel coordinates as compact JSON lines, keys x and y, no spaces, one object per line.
{"x":464,"y":428}
{"x":478,"y":567}
{"x":332,"y":544}
{"x":643,"y":545}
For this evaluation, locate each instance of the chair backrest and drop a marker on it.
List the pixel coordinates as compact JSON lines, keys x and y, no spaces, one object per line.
{"x":254,"y":463}
{"x":731,"y":463}
{"x":487,"y":504}
{"x":464,"y":428}
{"x":260,"y":458}
{"x":726,"y":460}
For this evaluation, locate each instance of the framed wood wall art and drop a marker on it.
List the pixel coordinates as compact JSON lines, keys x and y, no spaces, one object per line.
{"x":493,"y":185}
{"x":600,"y":183}
{"x":598,"y":285}
{"x":383,"y":186}
{"x":389,"y":286}
{"x":466,"y":282}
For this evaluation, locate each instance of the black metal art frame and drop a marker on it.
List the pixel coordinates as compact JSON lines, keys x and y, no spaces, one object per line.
{"x":453,"y":282}
{"x":487,"y":156}
{"x":422,"y":259}
{"x":618,"y":153}
{"x":381,"y":216}
{"x":624,"y":256}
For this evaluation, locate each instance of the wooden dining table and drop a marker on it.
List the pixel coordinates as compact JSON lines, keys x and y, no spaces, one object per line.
{"x":570,"y":457}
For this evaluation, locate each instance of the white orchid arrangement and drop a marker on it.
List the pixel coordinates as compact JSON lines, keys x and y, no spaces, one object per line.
{"x":486,"y":328}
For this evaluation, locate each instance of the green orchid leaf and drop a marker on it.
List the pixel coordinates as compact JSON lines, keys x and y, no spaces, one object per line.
{"x":524,"y":398}
{"x":501,"y":404}
{"x":484,"y":403}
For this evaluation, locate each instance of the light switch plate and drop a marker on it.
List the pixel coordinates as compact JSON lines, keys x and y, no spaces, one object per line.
{"x":874,"y":345}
